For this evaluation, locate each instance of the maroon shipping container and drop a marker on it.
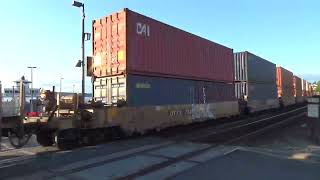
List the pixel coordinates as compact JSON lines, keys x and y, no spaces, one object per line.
{"x":129,"y":43}
{"x":284,"y":82}
{"x":304,"y":84}
{"x":309,"y":89}
{"x":285,"y":86}
{"x":297,"y":84}
{"x":0,"y":112}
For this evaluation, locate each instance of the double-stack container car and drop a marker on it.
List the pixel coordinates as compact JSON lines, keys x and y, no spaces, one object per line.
{"x":297,"y":85}
{"x":309,"y":89}
{"x":153,"y":68}
{"x":304,"y":88}
{"x":255,"y":81}
{"x":285,"y":86}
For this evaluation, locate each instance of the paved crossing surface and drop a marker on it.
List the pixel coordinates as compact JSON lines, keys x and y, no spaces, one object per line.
{"x":122,"y":159}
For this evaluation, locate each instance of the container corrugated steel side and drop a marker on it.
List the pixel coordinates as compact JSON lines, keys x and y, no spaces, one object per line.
{"x":139,"y":90}
{"x":255,"y":77}
{"x":284,"y":82}
{"x":303,"y":85}
{"x":285,"y":86}
{"x":251,"y":68}
{"x":312,"y":90}
{"x":297,"y":84}
{"x":309,"y":89}
{"x":241,"y":90}
{"x":256,"y":91}
{"x":127,"y":42}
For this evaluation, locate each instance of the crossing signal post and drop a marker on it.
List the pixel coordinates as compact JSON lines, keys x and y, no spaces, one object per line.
{"x":314,"y":117}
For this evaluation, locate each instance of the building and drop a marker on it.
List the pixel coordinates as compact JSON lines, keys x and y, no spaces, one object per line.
{"x":14,"y":91}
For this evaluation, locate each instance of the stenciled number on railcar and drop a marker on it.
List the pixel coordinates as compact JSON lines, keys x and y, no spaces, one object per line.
{"x":175,"y":113}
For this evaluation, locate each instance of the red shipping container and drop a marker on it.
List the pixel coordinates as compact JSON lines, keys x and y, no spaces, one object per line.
{"x":304,"y":88}
{"x":297,"y":84}
{"x":309,"y":89}
{"x":284,"y":82}
{"x":127,"y":42}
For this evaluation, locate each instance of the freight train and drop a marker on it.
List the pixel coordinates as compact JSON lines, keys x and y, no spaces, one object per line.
{"x":148,"y":76}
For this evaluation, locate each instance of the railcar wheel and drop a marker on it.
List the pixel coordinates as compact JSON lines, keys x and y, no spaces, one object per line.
{"x":18,"y":139}
{"x":118,"y":133}
{"x":93,"y":137}
{"x":67,"y":139}
{"x":45,"y":138}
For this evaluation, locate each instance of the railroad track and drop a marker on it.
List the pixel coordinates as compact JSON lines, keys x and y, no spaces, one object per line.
{"x":250,"y":129}
{"x":207,"y":132}
{"x":242,"y":128}
{"x":212,"y":135}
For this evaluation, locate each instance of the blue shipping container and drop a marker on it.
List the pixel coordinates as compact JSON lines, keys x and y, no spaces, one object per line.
{"x":256,"y":91}
{"x":251,"y":68}
{"x":139,"y":90}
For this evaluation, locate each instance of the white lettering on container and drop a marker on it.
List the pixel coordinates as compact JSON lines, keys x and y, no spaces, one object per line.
{"x":143,"y":29}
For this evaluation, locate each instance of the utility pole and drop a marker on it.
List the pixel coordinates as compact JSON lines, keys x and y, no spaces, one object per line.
{"x":82,"y":44}
{"x":83,"y":34}
{"x":59,"y":97}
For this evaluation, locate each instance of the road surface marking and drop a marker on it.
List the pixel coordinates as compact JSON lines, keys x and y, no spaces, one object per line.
{"x":118,"y":169}
{"x":168,"y":171}
{"x":100,"y":159}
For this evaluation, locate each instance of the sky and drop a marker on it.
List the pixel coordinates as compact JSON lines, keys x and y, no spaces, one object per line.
{"x":47,"y":33}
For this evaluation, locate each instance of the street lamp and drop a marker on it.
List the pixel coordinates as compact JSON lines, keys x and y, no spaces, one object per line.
{"x":79,"y":63}
{"x":77,"y":4}
{"x":32,"y":91}
{"x":83,"y":34}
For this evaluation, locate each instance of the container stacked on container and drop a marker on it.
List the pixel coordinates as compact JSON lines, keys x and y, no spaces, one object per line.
{"x":307,"y":89}
{"x":297,"y":85}
{"x":285,"y":86}
{"x":138,"y":61}
{"x":310,"y":91}
{"x":255,"y":80}
{"x":304,"y":90}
